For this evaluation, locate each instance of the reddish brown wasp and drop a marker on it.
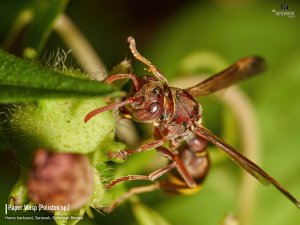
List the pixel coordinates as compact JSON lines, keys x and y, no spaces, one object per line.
{"x":176,"y":116}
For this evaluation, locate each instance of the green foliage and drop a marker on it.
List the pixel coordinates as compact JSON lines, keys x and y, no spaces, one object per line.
{"x":146,"y":215}
{"x":58,"y":125}
{"x":60,"y":215}
{"x":49,"y":106}
{"x":40,"y":28}
{"x":36,"y":17}
{"x":24,"y":80}
{"x":9,"y":11}
{"x":234,"y":32}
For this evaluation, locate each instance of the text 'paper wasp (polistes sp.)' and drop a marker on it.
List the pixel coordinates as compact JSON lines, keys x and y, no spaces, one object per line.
{"x":176,"y":116}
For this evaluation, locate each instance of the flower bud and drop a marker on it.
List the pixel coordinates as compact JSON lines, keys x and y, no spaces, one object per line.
{"x":60,"y":179}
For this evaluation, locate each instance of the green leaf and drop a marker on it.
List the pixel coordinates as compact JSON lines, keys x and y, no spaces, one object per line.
{"x":10,"y":94}
{"x":18,"y":194}
{"x":21,"y":79}
{"x":45,"y":13}
{"x":20,"y":21}
{"x":147,"y":216}
{"x":3,"y":139}
{"x":9,"y":10}
{"x":58,"y":125}
{"x":68,"y":217}
{"x":98,"y":194}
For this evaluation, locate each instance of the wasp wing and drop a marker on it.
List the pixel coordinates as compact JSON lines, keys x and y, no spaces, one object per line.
{"x":245,"y":163}
{"x":241,"y":70}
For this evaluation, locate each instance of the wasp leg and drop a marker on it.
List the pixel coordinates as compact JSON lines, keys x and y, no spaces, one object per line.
{"x":114,"y":77}
{"x":130,"y":193}
{"x":125,"y":153}
{"x":179,"y":166}
{"x":151,"y":177}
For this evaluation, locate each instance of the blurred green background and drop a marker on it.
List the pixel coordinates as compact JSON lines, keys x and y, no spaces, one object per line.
{"x":167,"y":32}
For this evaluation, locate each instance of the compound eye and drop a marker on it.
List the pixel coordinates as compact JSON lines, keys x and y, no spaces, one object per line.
{"x":154,"y":107}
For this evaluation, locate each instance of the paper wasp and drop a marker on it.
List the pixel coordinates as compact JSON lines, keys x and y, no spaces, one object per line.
{"x":176,"y":116}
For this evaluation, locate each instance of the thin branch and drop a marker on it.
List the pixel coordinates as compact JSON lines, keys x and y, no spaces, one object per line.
{"x":242,"y":107}
{"x":82,"y":49}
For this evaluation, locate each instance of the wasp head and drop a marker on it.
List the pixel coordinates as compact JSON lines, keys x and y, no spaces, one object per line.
{"x":147,"y":105}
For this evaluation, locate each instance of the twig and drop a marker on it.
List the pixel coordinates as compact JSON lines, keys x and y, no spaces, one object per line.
{"x":242,"y":107}
{"x":82,"y":49}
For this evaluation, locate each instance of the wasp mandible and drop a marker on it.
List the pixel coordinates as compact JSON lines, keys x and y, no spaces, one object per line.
{"x":176,"y":116}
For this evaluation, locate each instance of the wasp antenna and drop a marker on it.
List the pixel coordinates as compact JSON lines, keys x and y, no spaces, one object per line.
{"x":142,"y":59}
{"x":107,"y":107}
{"x":135,"y":52}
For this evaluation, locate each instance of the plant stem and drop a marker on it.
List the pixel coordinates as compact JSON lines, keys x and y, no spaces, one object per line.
{"x":242,"y":107}
{"x":82,"y":49}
